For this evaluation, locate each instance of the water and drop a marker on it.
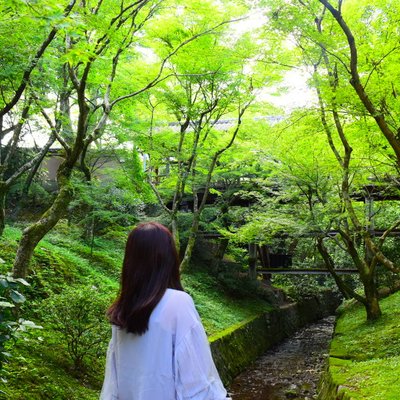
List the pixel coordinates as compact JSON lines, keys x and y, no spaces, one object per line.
{"x":290,"y":370}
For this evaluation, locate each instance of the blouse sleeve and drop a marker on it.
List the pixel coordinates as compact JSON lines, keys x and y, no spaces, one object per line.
{"x":110,"y":389}
{"x":195,"y":372}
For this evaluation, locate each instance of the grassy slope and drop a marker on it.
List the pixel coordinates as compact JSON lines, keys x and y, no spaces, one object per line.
{"x":39,"y":368}
{"x":365,"y":357}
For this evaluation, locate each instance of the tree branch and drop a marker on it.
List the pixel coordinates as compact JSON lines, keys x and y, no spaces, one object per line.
{"x":329,"y":263}
{"x":32,"y":65}
{"x":53,"y":128}
{"x":157,"y":79}
{"x":29,"y":164}
{"x":157,"y":193}
{"x":358,"y":86}
{"x":17,"y":132}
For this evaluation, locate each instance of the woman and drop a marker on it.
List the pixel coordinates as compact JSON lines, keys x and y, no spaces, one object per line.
{"x":158,"y":349}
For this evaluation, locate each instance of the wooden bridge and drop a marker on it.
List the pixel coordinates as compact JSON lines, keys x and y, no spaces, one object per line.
{"x":305,"y":271}
{"x":262,"y":261}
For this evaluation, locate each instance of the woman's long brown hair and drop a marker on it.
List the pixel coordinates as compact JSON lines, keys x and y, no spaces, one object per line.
{"x":150,"y":266}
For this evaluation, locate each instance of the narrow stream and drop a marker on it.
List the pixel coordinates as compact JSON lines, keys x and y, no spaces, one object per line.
{"x":290,"y":370}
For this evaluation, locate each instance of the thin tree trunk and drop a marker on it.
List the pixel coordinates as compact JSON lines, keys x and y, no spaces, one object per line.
{"x":198,"y":209}
{"x":191,"y":242}
{"x":175,"y":233}
{"x":219,"y":254}
{"x":3,"y":191}
{"x":365,"y":266}
{"x":346,"y":290}
{"x":35,"y":168}
{"x":32,"y":173}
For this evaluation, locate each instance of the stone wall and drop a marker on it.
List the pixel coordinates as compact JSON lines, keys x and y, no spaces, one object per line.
{"x":328,"y":389}
{"x":238,"y":346}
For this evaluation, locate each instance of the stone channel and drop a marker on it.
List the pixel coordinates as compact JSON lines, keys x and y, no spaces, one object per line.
{"x":289,"y":370}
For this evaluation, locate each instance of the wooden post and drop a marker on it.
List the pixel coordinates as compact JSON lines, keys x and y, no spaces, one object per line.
{"x":370,"y":224}
{"x":252,"y":261}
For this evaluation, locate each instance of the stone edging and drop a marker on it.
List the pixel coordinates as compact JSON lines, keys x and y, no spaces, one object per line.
{"x":235,"y":348}
{"x":328,"y":389}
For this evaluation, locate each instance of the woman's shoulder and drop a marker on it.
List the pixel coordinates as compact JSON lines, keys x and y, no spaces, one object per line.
{"x":176,"y":310}
{"x":179,"y":295}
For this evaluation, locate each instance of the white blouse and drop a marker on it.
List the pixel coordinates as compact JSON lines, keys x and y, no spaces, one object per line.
{"x":171,"y":361}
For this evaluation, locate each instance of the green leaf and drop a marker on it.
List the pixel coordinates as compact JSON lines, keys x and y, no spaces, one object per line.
{"x":17,"y":297}
{"x":29,"y":324}
{"x":6,"y":304}
{"x":215,"y":191}
{"x":23,"y":281}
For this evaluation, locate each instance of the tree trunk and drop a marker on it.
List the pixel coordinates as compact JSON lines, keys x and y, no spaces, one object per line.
{"x":175,"y":233}
{"x":219,"y":254}
{"x":3,"y":191}
{"x":359,"y":88}
{"x":31,"y":175}
{"x":373,"y":309}
{"x":372,"y":306}
{"x":34,"y":233}
{"x":191,"y":242}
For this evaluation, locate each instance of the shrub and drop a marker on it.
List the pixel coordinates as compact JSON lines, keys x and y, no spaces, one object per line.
{"x":10,"y":324}
{"x":78,"y":314}
{"x":298,"y":287}
{"x":236,"y":281}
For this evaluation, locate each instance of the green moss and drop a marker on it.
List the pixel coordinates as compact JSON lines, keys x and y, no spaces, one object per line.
{"x":236,"y":347}
{"x":379,"y":339}
{"x":375,"y":379}
{"x":364,"y":357}
{"x":8,"y":247}
{"x":339,"y":361}
{"x":231,"y":329}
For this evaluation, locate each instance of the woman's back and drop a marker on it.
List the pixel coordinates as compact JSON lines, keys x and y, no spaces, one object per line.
{"x":171,"y":360}
{"x":158,"y":349}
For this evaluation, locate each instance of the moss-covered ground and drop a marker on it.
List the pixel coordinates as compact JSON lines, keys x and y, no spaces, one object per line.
{"x":40,"y":367}
{"x":364,"y":356}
